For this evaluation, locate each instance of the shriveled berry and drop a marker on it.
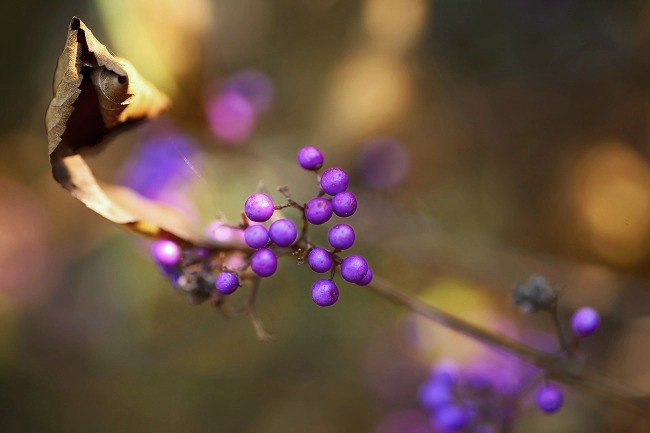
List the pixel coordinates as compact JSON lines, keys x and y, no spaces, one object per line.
{"x":549,"y":398}
{"x":354,"y":268}
{"x":166,"y":252}
{"x":256,"y":236}
{"x":585,"y":321}
{"x":341,"y":236}
{"x":310,"y":158}
{"x":226,"y":283}
{"x":333,"y":181}
{"x":320,"y":260}
{"x":344,"y":204}
{"x":259,"y":207}
{"x":318,"y":210}
{"x":283,"y":232}
{"x":324,"y":293}
{"x":264,"y":262}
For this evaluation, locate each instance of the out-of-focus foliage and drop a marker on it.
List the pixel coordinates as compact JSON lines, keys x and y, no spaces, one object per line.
{"x":519,"y":131}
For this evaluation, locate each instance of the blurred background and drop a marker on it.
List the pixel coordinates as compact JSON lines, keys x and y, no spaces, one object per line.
{"x":486,"y":141}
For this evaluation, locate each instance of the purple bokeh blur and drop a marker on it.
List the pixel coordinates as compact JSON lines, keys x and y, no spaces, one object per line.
{"x":383,"y":163}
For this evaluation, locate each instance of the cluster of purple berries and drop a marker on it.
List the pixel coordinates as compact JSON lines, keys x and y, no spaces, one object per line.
{"x":259,"y":208}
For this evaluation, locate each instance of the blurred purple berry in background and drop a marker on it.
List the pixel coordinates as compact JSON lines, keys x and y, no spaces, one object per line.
{"x":324,"y":293}
{"x":341,"y":236}
{"x":383,"y":163}
{"x":310,"y":158}
{"x":344,"y":204}
{"x":354,"y":268}
{"x":585,"y":321}
{"x":320,"y":260}
{"x":160,"y":164}
{"x":549,"y":398}
{"x":283,"y":232}
{"x":264,"y":262}
{"x":318,"y":210}
{"x":452,"y":418}
{"x":226,"y":283}
{"x":253,"y":85}
{"x":165,"y":252}
{"x":231,"y":116}
{"x":222,"y":232}
{"x":259,"y":207}
{"x":256,"y":236}
{"x":334,"y":180}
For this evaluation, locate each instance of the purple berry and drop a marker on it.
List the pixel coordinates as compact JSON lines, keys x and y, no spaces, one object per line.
{"x":310,"y":158}
{"x":283,"y":232}
{"x":226,"y":283}
{"x":259,"y":207}
{"x":549,"y":398}
{"x":264,"y":263}
{"x":324,"y":293}
{"x":318,"y":210}
{"x":341,"y":236}
{"x":435,"y":393}
{"x":451,"y":417}
{"x":165,"y":252}
{"x":333,"y":181}
{"x":320,"y":260}
{"x":354,"y":268}
{"x":585,"y":321}
{"x":344,"y":204}
{"x":366,"y":279}
{"x":256,"y":236}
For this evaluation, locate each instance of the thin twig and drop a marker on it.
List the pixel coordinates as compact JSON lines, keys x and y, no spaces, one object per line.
{"x":566,"y":370}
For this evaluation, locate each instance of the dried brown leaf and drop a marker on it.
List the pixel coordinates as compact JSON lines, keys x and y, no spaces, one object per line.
{"x":95,"y":93}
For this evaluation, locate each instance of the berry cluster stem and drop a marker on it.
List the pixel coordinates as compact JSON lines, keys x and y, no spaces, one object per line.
{"x":561,"y":369}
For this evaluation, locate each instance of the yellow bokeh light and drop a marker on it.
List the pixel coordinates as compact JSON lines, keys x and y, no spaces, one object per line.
{"x":612,"y":191}
{"x":394,"y":24}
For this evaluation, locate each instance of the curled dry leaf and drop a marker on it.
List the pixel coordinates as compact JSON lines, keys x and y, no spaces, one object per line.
{"x":94,"y":94}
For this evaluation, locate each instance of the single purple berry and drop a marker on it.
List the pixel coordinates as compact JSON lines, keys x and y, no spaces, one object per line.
{"x":264,"y":262}
{"x":324,"y":293}
{"x":320,"y":260}
{"x":585,"y":321}
{"x":256,"y":236}
{"x":259,"y":207}
{"x":549,"y":398}
{"x":283,"y":232}
{"x":344,"y":204}
{"x":165,"y":252}
{"x":451,"y":417}
{"x":318,"y":210}
{"x":434,"y":394}
{"x":310,"y":158}
{"x":334,"y":181}
{"x":341,"y":236}
{"x":226,"y":283}
{"x":354,"y":268}
{"x":366,"y":279}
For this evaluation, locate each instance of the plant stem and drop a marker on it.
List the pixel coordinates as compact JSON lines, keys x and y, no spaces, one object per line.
{"x":566,"y":370}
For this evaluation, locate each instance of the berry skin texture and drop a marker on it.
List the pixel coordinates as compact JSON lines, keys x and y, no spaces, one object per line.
{"x":166,"y":253}
{"x":256,"y":236}
{"x":341,"y":236}
{"x":259,"y":207}
{"x":283,"y":232}
{"x":354,"y":268}
{"x":264,"y":263}
{"x":585,"y":321}
{"x":320,"y":260}
{"x":549,"y":398}
{"x":334,"y":181}
{"x":310,"y":158}
{"x":344,"y":204}
{"x":324,"y":293}
{"x":226,"y":283}
{"x":318,"y":210}
{"x":366,"y":279}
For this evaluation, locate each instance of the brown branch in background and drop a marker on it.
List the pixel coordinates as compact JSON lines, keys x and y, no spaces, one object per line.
{"x":567,"y":370}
